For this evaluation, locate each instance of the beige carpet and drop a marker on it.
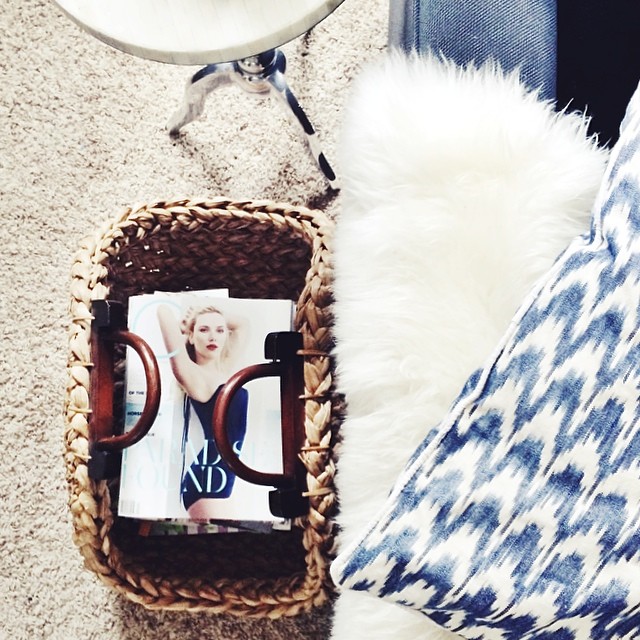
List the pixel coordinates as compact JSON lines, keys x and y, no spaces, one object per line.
{"x":82,"y":136}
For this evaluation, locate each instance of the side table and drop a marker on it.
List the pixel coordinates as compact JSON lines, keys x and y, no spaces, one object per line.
{"x":237,"y":40}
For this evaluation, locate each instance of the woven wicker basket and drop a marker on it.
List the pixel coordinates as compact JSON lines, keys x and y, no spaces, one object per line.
{"x":256,"y":249}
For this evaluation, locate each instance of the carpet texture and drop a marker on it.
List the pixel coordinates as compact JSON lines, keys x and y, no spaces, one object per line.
{"x":82,"y":137}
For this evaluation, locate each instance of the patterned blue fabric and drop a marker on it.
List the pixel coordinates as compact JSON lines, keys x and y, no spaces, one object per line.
{"x":521,"y":519}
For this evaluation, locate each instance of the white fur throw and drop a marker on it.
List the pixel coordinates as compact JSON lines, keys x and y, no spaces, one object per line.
{"x":459,"y":190}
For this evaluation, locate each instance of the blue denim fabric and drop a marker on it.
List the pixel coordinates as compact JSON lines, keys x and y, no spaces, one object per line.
{"x":516,"y":33}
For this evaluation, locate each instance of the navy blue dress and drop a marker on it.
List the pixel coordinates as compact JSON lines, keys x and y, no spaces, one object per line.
{"x":209,"y":476}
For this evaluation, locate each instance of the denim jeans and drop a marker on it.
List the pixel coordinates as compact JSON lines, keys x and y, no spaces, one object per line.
{"x":516,"y":33}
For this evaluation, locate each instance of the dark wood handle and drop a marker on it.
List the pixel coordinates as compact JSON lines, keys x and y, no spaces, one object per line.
{"x":289,"y":368}
{"x":102,"y":382}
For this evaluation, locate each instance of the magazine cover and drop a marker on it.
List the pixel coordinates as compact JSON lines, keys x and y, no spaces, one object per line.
{"x":175,"y":472}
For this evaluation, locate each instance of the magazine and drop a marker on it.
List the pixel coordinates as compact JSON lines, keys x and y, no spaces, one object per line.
{"x":175,"y":475}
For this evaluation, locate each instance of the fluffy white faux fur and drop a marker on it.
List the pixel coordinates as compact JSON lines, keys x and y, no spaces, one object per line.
{"x":460,"y":189}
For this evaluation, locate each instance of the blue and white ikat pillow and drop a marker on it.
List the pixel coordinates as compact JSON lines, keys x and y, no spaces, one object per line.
{"x":521,"y":519}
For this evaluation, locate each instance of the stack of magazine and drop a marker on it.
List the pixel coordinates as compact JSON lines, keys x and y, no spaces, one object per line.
{"x":174,"y":481}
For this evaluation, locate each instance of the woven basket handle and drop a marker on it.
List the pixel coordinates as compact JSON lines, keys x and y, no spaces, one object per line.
{"x":108,"y":329}
{"x":287,"y":364}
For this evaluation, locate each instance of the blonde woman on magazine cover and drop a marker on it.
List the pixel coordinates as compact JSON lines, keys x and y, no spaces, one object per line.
{"x":203,"y":347}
